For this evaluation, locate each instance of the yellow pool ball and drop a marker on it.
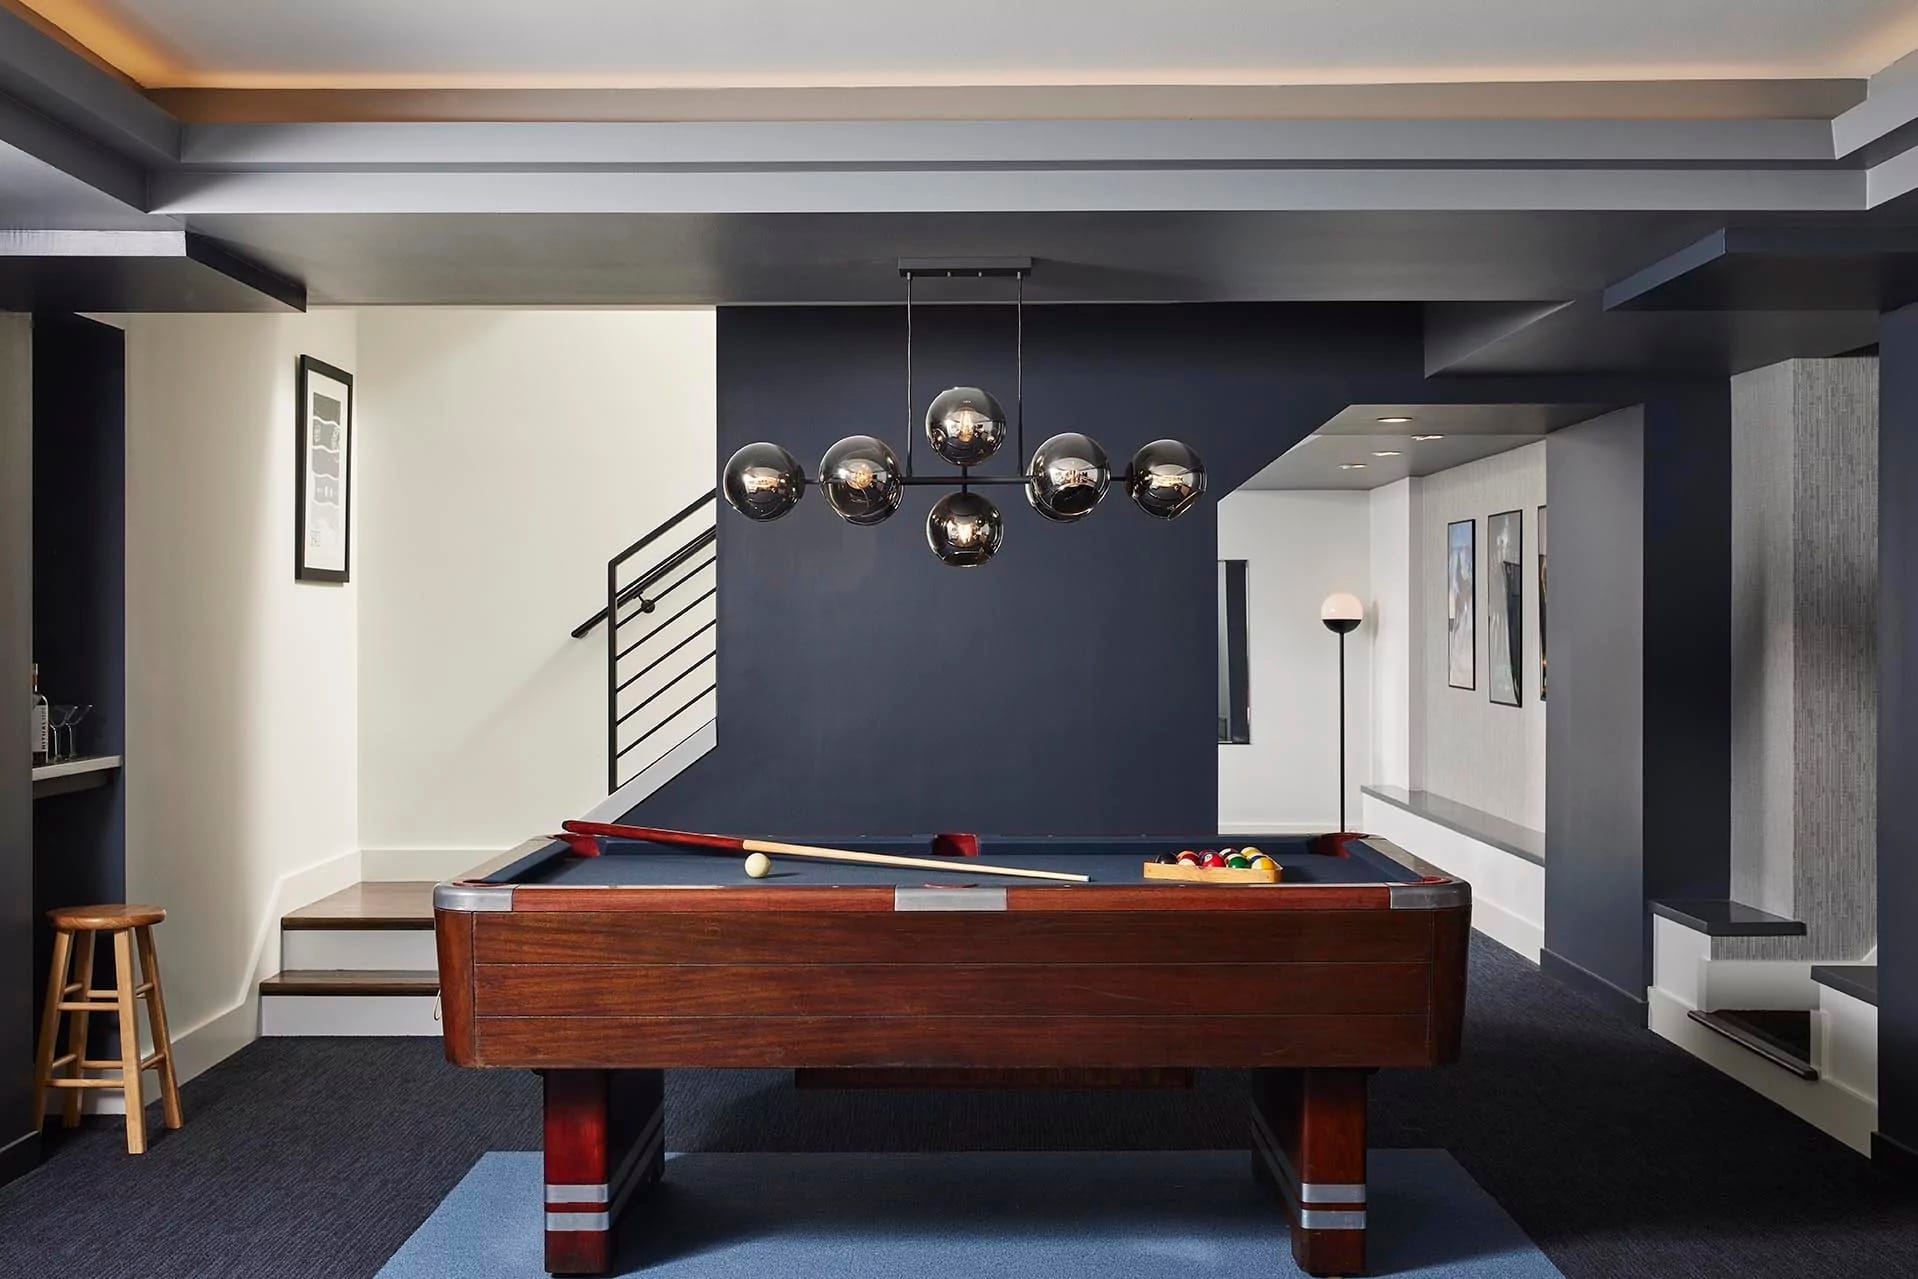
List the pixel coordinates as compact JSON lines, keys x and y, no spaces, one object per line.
{"x":1250,"y":851}
{"x":758,"y":865}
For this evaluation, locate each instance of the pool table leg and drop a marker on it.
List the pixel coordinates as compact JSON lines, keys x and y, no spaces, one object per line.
{"x":1308,"y":1144}
{"x":605,"y":1141}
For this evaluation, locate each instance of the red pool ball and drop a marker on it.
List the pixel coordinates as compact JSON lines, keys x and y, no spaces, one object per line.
{"x":1188,"y":858}
{"x":1211,"y":861}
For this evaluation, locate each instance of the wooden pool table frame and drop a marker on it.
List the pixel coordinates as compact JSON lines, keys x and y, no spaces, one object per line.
{"x":1314,"y":986}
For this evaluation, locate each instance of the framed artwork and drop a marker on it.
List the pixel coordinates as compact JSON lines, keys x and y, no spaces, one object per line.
{"x":1461,"y":604}
{"x":1505,"y":606}
{"x":323,"y":472}
{"x":1541,"y":603}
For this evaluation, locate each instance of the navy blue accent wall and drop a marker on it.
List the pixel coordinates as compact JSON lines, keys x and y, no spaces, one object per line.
{"x":1638,"y":726}
{"x":1898,"y":736}
{"x":1069,"y":686}
{"x":79,"y":609}
{"x":1688,"y":609}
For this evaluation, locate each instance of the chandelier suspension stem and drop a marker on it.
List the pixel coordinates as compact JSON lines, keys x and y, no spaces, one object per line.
{"x":908,"y":374}
{"x":1019,"y":370}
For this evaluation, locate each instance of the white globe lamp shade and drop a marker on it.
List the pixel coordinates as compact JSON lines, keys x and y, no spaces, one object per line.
{"x":1341,"y":612}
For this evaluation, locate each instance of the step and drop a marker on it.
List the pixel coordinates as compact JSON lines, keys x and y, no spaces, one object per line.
{"x":375,"y":905}
{"x":1782,"y":1037}
{"x":379,"y":925}
{"x":1860,"y":981}
{"x":365,"y":949}
{"x":350,"y":1002}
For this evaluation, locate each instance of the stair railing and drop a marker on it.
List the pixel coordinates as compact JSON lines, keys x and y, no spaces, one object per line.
{"x":650,"y":664}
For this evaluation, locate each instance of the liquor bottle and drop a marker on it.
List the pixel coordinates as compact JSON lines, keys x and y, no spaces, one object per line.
{"x":41,"y":746}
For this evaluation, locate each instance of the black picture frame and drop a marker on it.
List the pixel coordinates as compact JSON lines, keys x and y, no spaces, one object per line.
{"x":1542,"y":669}
{"x":1505,"y":608}
{"x":1461,"y":632}
{"x":1235,"y":718}
{"x":326,"y":555}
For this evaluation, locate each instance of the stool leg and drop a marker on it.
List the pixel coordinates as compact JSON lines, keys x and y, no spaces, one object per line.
{"x":50,"y":1024}
{"x":129,"y":1041}
{"x":156,"y":1019}
{"x":77,"y":1025}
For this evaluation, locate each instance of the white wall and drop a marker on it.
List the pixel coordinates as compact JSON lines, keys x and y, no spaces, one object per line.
{"x":1299,"y":547}
{"x":242,"y":684}
{"x":1478,"y":752}
{"x":505,"y":455}
{"x":1398,"y":717}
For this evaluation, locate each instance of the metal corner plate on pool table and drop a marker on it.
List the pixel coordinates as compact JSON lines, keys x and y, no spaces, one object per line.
{"x":1435,"y":896}
{"x":456,"y":896}
{"x":948,"y":899}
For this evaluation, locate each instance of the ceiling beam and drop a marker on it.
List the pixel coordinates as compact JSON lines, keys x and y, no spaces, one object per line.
{"x":100,"y":106}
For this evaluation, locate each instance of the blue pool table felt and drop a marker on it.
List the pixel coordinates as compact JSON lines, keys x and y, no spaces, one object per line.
{"x":1113,"y":861}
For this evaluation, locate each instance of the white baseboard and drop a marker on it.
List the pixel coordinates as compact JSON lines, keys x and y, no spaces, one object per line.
{"x":1279,"y":828}
{"x":1821,"y":1102}
{"x":670,"y":764}
{"x":202,"y":1044}
{"x":436,"y":864}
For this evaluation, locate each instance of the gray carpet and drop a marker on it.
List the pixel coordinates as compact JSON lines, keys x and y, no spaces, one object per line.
{"x":1617,"y":1153}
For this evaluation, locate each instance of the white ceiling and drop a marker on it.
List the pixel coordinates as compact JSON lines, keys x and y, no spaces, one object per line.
{"x":673,"y":43}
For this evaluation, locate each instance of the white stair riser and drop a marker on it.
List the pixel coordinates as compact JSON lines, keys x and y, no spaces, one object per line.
{"x":357,"y":948}
{"x":349,"y":1015}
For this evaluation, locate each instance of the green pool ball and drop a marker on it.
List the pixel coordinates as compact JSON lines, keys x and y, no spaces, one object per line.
{"x":1237,"y":862}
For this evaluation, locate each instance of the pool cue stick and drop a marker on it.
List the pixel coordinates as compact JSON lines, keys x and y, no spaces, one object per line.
{"x":727,"y":843}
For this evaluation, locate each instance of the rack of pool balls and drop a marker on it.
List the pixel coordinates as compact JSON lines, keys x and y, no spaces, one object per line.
{"x":1205,"y":866}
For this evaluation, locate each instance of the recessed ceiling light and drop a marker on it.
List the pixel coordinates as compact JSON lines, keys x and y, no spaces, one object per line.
{"x":1386,"y":453}
{"x":1422,"y":438}
{"x":1351,"y":466}
{"x":1395,"y":419}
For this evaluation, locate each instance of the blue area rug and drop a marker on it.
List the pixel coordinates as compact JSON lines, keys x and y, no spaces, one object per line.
{"x":1132,"y":1215}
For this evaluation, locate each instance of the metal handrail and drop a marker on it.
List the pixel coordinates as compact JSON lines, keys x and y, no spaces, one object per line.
{"x":626,"y":602}
{"x":671,"y":522}
{"x":646,"y":605}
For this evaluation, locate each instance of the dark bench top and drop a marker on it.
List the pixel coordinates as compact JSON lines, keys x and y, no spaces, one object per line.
{"x":1720,"y":917}
{"x":1860,"y":981}
{"x":1474,"y":823}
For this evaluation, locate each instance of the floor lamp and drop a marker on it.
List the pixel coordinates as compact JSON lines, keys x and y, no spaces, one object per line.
{"x":1341,"y":614}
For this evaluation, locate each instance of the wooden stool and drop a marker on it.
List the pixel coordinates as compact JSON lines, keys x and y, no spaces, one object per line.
{"x":78,"y":925}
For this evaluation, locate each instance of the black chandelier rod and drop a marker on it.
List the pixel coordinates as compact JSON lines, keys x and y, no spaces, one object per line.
{"x":982,"y":268}
{"x":908,"y":275}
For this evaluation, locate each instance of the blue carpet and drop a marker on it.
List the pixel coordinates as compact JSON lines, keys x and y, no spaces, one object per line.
{"x":1124,"y":1215}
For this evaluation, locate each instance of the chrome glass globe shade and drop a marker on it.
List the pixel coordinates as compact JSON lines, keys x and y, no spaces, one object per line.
{"x":860,"y":479}
{"x":964,"y":529}
{"x":965,"y":425}
{"x":1167,"y":479}
{"x":762,"y":481}
{"x":1068,"y":475}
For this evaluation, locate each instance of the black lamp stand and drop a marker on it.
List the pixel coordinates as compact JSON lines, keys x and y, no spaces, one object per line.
{"x":1341,"y":627}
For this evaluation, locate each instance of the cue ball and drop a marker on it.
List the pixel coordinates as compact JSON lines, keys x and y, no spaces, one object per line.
{"x":758,"y":864}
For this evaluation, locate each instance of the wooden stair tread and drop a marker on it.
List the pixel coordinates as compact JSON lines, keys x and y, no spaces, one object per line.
{"x":345,"y":981}
{"x":392,"y":904}
{"x":1782,"y":1037}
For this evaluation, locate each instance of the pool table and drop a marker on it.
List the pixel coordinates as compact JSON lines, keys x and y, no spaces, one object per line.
{"x":603,"y":971}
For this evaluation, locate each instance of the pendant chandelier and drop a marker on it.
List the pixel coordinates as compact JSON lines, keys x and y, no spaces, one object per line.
{"x":1064,"y":478}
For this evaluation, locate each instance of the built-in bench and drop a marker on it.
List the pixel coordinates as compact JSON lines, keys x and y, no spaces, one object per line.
{"x":1795,"y":1032}
{"x":1502,"y":860}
